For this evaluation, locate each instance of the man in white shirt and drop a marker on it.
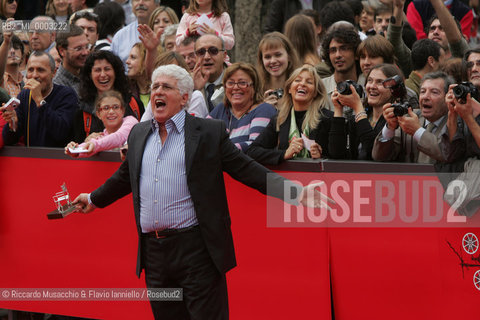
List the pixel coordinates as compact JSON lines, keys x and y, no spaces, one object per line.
{"x":126,"y":37}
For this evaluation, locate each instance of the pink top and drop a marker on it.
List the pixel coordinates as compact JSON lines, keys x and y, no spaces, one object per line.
{"x":113,"y":140}
{"x":222,"y":25}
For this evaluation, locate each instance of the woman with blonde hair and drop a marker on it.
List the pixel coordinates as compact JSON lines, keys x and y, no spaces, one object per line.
{"x":161,"y":18}
{"x":59,"y":10}
{"x":137,"y":75}
{"x":8,"y":8}
{"x":302,"y":125}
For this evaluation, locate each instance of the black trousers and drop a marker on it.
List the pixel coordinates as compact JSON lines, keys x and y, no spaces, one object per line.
{"x":182,"y":261}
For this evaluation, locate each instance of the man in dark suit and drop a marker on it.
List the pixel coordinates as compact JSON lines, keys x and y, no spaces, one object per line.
{"x":415,"y":138}
{"x":174,"y":169}
{"x":210,"y":52}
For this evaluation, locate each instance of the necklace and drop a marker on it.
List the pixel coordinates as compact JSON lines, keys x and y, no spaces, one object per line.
{"x":373,"y":123}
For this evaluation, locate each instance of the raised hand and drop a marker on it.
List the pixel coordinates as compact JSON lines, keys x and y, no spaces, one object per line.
{"x":148,"y":38}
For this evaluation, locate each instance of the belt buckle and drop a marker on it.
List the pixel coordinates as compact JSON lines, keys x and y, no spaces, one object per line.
{"x":159,"y":236}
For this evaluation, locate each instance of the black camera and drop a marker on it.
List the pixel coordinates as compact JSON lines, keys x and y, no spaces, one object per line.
{"x":463,"y":89}
{"x":277,"y":92}
{"x":344,"y":88}
{"x":396,"y":86}
{"x":400,"y":109}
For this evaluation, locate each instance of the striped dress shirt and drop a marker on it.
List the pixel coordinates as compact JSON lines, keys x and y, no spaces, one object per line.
{"x":165,"y":200}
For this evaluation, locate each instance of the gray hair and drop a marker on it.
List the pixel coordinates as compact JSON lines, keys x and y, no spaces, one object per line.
{"x":51,"y":61}
{"x":43,"y":18}
{"x":447,"y":79}
{"x":184,"y":80}
{"x":169,"y":31}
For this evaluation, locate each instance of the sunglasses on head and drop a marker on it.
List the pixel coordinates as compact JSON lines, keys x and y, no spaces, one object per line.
{"x":86,"y":14}
{"x":213,"y":51}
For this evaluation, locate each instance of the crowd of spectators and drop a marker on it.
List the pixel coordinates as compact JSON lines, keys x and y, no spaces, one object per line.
{"x":350,"y":79}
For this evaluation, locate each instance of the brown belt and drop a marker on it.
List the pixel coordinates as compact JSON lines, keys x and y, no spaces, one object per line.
{"x":161,"y":234}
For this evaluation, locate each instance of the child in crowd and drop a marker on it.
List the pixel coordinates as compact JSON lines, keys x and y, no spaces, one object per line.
{"x":109,"y":108}
{"x":216,"y":11}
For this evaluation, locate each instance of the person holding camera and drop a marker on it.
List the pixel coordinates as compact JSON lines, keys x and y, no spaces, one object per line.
{"x":412,"y":136}
{"x":339,"y":53}
{"x":276,"y":60}
{"x":352,"y":134}
{"x":460,"y":146}
{"x":462,"y":139}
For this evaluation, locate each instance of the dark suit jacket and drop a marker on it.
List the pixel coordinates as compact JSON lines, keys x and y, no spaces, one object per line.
{"x":208,"y":152}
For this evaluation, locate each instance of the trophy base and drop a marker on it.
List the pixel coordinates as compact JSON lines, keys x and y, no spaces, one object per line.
{"x":55,"y":214}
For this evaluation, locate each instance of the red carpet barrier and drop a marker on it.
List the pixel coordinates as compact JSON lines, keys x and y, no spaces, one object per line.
{"x":282,"y":273}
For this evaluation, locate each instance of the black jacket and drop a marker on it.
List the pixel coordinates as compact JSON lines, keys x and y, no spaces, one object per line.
{"x":270,"y":146}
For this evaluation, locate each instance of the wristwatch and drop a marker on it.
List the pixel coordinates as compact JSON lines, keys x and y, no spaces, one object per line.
{"x":393,"y":20}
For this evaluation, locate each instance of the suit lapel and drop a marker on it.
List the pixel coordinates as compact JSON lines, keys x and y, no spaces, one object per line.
{"x":192,"y":135}
{"x":141,"y":140}
{"x":135,"y":155}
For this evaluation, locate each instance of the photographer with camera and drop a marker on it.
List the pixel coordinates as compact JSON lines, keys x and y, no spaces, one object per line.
{"x":460,"y":146}
{"x":352,"y":136}
{"x":462,"y":140}
{"x":412,"y":136}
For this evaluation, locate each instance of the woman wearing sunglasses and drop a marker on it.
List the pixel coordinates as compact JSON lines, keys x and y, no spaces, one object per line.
{"x":303,"y":122}
{"x":8,"y":9}
{"x":244,"y":116}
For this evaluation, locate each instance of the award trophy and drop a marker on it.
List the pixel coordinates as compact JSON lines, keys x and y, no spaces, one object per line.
{"x":63,"y":203}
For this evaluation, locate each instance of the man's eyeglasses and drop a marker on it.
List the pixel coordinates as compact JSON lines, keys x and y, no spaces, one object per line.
{"x":106,"y":108}
{"x":163,"y":86}
{"x":213,"y":51}
{"x":241,"y":84}
{"x":81,"y":48}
